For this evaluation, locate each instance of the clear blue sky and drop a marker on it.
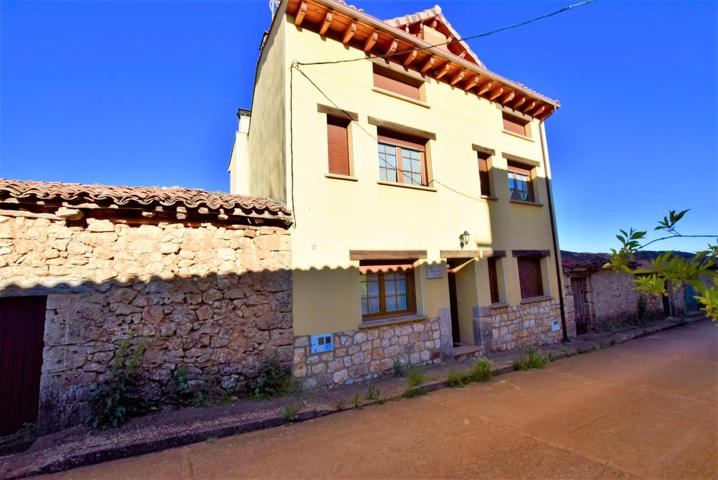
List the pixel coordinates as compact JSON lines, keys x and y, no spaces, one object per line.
{"x":145,"y":93}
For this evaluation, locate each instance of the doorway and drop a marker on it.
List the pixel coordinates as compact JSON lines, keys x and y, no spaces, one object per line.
{"x":454,"y":304}
{"x":22,"y":328}
{"x":579,"y":288}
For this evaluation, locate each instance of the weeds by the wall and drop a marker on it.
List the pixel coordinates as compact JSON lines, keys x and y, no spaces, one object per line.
{"x":532,"y":359}
{"x":289,"y":412}
{"x":398,"y":369}
{"x":373,"y":393}
{"x":480,"y":372}
{"x":273,"y":380}
{"x":119,"y":398}
{"x":356,"y":401}
{"x":414,"y":381}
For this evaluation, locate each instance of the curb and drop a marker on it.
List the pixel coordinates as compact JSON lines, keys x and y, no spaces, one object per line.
{"x":140,"y":448}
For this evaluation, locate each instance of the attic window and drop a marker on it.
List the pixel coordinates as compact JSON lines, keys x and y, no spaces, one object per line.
{"x":516,"y":125}
{"x":395,"y":82}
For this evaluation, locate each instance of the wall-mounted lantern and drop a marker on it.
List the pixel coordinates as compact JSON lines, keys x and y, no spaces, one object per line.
{"x":464,"y":238}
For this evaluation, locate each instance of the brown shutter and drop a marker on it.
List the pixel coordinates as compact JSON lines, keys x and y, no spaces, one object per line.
{"x":393,"y":82}
{"x":520,"y":169}
{"x":338,"y":145}
{"x":530,"y":276}
{"x":493,"y":281}
{"x":514,"y":125}
{"x":484,"y":176}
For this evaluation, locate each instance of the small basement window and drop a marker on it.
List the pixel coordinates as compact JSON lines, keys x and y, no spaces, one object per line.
{"x":395,"y":82}
{"x":516,"y":125}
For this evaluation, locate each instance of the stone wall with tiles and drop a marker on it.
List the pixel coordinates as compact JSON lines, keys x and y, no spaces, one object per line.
{"x":368,"y":352}
{"x":509,"y":327}
{"x":212,"y":298}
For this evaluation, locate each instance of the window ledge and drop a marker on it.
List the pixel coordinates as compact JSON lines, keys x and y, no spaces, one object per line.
{"x":406,"y":185}
{"x":382,"y":322}
{"x":337,"y":176}
{"x":523,"y":202}
{"x":518,"y":135}
{"x":542,"y":298}
{"x":498,"y":305}
{"x":489,"y":197}
{"x":401,"y":97}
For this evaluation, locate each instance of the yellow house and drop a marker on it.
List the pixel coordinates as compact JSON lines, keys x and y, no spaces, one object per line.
{"x":419,"y":182}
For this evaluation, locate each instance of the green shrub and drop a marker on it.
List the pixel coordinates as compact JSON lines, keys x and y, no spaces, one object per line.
{"x":532,"y":359}
{"x":119,"y":398}
{"x":289,"y":412}
{"x":415,"y":377}
{"x":398,"y":369}
{"x":178,"y":391}
{"x":356,"y":401}
{"x":373,"y":393}
{"x":481,"y":370}
{"x":273,"y":380}
{"x":457,"y":379}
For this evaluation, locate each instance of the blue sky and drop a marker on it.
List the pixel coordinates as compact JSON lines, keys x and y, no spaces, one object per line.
{"x":145,"y":93}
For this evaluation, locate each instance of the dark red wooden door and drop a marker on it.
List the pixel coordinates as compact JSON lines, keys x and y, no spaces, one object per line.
{"x":22,"y":326}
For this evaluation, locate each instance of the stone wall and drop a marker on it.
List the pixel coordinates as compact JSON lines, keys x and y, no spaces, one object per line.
{"x":367,"y":352}
{"x":509,"y":327}
{"x":213,"y":298}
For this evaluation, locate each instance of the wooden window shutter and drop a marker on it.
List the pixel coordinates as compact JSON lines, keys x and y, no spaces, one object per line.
{"x":394,"y":82}
{"x":530,"y":276}
{"x":515,"y":125}
{"x":338,"y":145}
{"x":493,"y":280}
{"x":484,"y":182}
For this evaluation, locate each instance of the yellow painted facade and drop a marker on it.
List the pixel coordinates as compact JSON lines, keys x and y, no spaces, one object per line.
{"x":334,"y":216}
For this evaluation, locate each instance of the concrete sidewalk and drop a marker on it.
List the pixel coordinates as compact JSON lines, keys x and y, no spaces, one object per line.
{"x":82,"y":446}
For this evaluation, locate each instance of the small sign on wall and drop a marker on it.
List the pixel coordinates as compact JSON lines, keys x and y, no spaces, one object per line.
{"x":555,"y":325}
{"x":435,"y":270}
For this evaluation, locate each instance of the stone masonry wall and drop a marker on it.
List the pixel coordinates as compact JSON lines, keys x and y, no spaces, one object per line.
{"x":367,"y":352}
{"x":215,"y":299}
{"x":518,"y":326}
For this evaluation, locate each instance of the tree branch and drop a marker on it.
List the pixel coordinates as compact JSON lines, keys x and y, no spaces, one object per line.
{"x":678,"y":235}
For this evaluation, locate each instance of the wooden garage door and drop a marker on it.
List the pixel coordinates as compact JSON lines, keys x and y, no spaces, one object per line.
{"x":22,"y":326}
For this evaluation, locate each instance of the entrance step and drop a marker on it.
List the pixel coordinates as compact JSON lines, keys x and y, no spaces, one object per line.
{"x":466,"y":351}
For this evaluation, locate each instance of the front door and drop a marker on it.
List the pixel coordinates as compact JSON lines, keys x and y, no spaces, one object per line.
{"x":22,"y":327}
{"x":454,"y":307}
{"x":580,"y":290}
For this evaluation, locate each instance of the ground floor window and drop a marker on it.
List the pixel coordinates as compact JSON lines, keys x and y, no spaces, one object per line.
{"x":530,"y":276}
{"x":386,"y":290}
{"x":493,"y":280}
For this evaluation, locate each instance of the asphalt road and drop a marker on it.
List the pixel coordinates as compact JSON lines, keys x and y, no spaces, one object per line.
{"x":643,"y":409}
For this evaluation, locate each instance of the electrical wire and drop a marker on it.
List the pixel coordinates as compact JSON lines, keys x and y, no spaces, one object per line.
{"x":470,"y":37}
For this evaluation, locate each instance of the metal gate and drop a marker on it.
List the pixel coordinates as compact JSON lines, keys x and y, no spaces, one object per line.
{"x":580,"y":303}
{"x":22,"y":327}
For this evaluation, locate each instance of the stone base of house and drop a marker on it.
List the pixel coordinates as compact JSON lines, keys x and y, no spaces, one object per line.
{"x":509,"y":327}
{"x":367,"y":352}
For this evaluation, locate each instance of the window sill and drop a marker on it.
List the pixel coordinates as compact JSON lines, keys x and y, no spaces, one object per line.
{"x":489,"y":197}
{"x":542,"y":298}
{"x":406,"y":185}
{"x":523,"y":202}
{"x":382,"y":322}
{"x":518,"y":135}
{"x":496,"y":305}
{"x":401,"y":97}
{"x":337,"y":176}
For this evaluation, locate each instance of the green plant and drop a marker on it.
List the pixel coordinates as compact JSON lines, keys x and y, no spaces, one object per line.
{"x":398,"y":369}
{"x":289,"y":412}
{"x":178,"y":391}
{"x":119,"y":398}
{"x":457,"y":379}
{"x":373,"y":393}
{"x":414,"y":377}
{"x":532,"y":359}
{"x":273,"y":380}
{"x":481,"y":370}
{"x":356,"y":401}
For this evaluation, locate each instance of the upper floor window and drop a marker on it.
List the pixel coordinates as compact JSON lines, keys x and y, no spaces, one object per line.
{"x":402,"y":158}
{"x":338,"y":145}
{"x":484,"y":179}
{"x":516,"y":125}
{"x":395,"y":82}
{"x":520,"y":183}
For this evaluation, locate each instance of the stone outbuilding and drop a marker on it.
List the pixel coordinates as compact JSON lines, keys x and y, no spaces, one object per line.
{"x":203,"y":277}
{"x":596,"y":298}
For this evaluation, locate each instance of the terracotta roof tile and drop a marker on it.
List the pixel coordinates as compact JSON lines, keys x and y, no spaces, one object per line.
{"x":142,"y":197}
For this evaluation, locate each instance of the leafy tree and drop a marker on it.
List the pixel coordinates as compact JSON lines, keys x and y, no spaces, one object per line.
{"x":668,"y":268}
